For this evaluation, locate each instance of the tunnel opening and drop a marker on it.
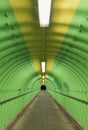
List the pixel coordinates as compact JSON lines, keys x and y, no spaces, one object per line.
{"x":43,"y":87}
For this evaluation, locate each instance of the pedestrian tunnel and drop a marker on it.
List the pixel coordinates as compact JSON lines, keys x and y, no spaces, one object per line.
{"x":34,"y":55}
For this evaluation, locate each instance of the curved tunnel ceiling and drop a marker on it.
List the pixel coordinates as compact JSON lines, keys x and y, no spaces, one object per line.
{"x":63,"y":45}
{"x":44,"y":43}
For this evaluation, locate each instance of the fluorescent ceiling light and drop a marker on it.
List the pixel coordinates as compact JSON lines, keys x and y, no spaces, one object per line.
{"x":43,"y":82}
{"x":44,"y":7}
{"x":43,"y":77}
{"x":43,"y":66}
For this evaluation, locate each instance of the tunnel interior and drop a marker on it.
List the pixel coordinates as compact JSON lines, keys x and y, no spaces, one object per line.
{"x":63,"y":46}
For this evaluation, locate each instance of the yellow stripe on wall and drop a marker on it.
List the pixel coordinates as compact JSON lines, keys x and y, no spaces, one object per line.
{"x":23,"y":10}
{"x":62,"y":14}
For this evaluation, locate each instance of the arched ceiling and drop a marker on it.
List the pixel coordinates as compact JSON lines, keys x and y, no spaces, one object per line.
{"x":44,"y":43}
{"x":63,"y":45}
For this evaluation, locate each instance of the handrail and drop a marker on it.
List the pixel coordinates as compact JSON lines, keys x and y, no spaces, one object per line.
{"x":77,"y":99}
{"x":13,"y":98}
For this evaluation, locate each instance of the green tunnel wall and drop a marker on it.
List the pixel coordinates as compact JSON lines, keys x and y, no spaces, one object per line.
{"x":70,"y":68}
{"x":18,"y":75}
{"x":67,"y":81}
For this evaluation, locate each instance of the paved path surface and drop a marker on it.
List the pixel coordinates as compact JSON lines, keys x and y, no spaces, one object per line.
{"x":43,"y":114}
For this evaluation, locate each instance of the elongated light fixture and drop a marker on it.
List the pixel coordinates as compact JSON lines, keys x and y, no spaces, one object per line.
{"x":43,"y":82}
{"x":43,"y":77}
{"x":43,"y":66}
{"x":44,"y":8}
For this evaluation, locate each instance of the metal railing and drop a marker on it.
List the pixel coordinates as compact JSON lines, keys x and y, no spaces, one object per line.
{"x":74,"y":98}
{"x":13,"y":98}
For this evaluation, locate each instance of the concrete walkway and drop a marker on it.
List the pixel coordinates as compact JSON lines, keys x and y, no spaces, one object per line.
{"x":43,"y":114}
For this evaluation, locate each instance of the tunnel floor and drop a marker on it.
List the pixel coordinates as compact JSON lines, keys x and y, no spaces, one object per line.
{"x":43,"y":114}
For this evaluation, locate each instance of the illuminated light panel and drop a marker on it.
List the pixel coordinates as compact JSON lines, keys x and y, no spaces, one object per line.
{"x":44,"y":8}
{"x":43,"y":66}
{"x":43,"y":77}
{"x":43,"y":82}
